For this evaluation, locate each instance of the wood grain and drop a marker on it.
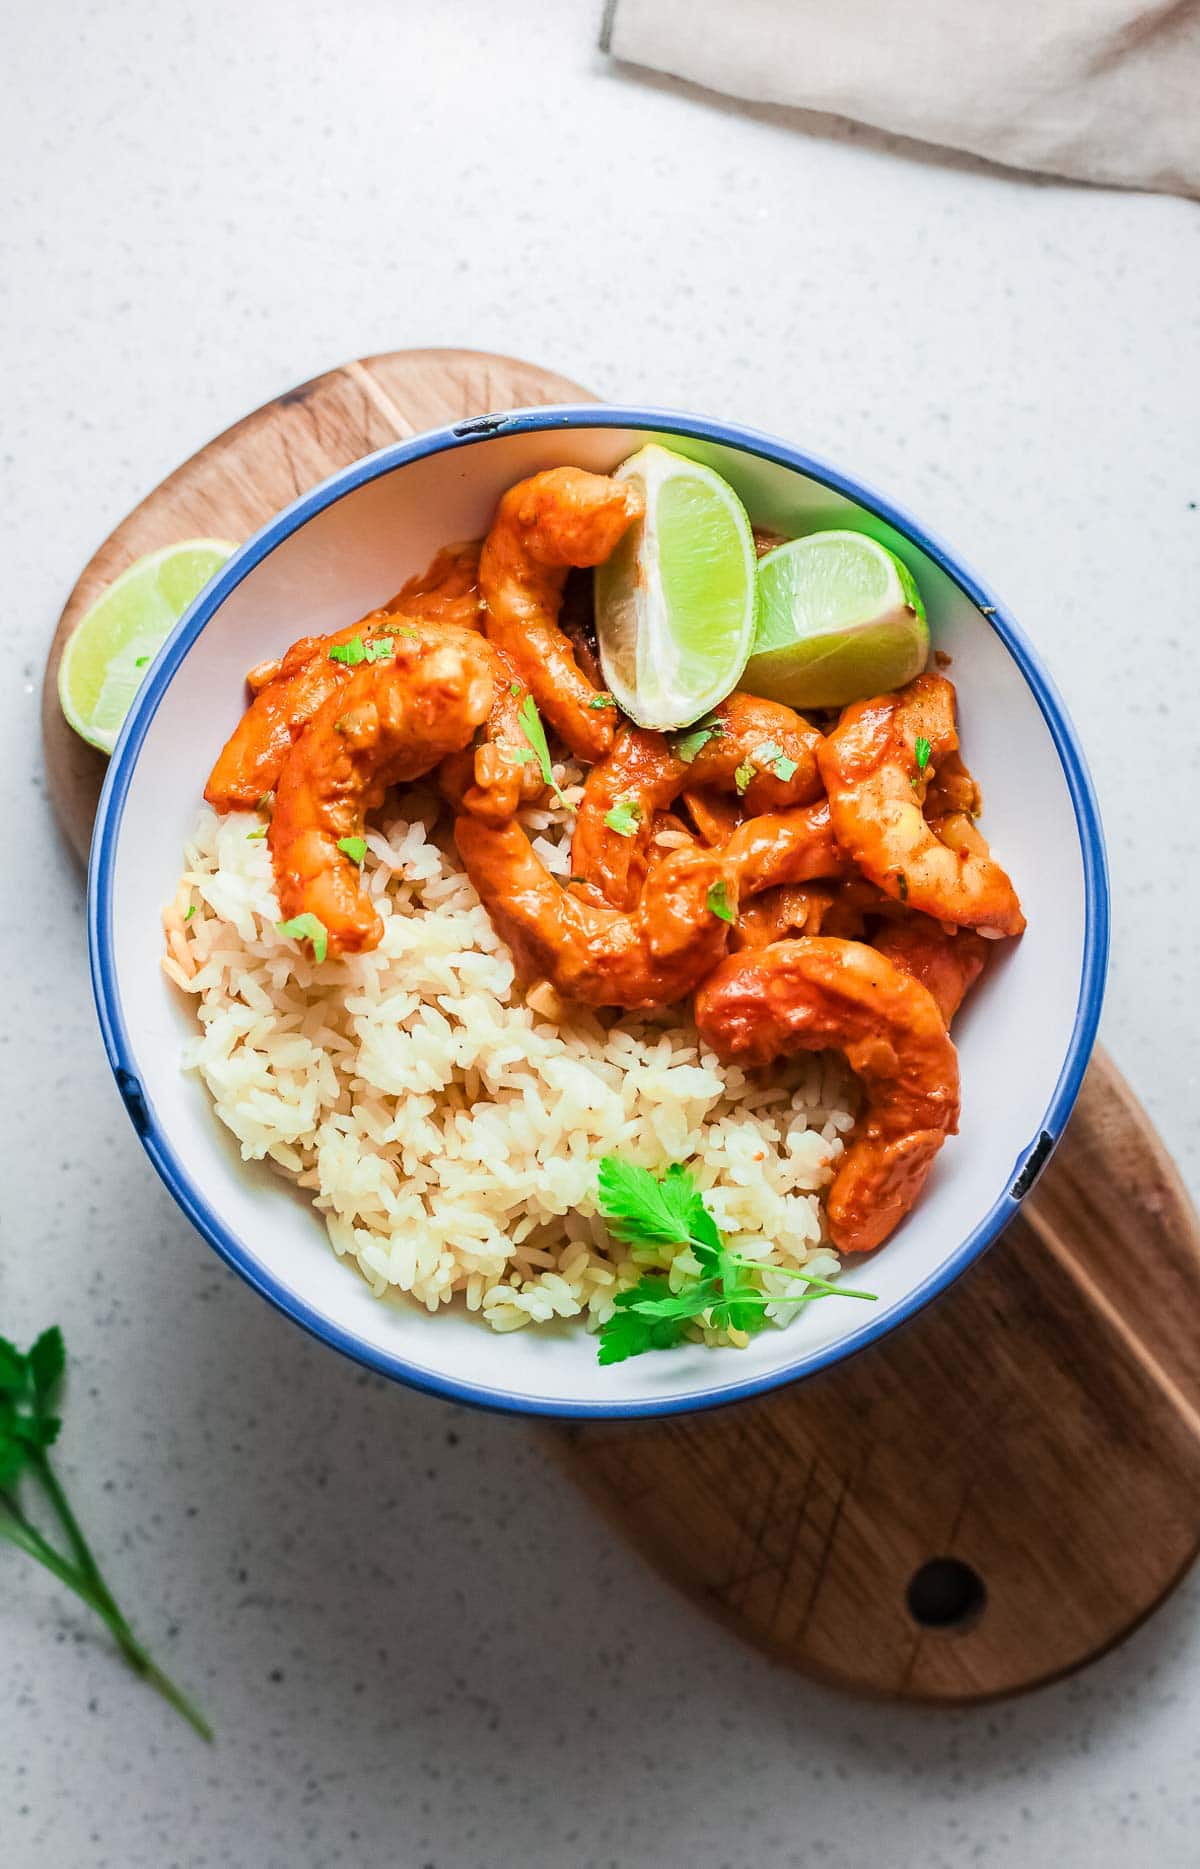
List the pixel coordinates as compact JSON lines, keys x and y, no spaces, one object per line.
{"x":1039,"y":1426}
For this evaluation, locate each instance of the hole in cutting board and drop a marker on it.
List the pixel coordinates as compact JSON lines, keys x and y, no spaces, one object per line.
{"x":946,"y":1594}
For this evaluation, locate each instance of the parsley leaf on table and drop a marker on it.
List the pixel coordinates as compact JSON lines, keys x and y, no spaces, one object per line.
{"x":30,"y":1382}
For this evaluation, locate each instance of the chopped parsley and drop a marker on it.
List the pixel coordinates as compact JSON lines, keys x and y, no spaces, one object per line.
{"x":190,"y":913}
{"x":768,"y":754}
{"x":353,"y":847}
{"x":514,"y":688}
{"x":744,"y":777}
{"x":651,"y":1211}
{"x":141,"y":661}
{"x":922,"y":749}
{"x":535,"y":733}
{"x":902,"y":885}
{"x":380,"y":647}
{"x":307,"y":928}
{"x":350,"y":653}
{"x":260,"y":832}
{"x":602,"y":700}
{"x":717,"y":900}
{"x":685,"y":746}
{"x":625,"y":816}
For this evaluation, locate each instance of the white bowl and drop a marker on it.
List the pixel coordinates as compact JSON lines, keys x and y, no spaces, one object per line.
{"x":1024,"y":1038}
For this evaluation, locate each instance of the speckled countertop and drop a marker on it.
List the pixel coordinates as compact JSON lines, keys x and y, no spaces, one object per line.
{"x":419,"y":1646}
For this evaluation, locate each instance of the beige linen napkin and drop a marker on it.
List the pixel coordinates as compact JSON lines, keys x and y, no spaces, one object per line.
{"x":1104,"y":90}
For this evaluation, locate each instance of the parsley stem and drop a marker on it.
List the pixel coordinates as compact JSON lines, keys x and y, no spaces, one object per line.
{"x":89,"y":1586}
{"x":810,"y":1278}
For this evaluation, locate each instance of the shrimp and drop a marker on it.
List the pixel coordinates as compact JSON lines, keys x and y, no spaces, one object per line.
{"x":251,"y":759}
{"x":758,"y":750}
{"x":290,"y":691}
{"x":819,"y":993}
{"x":391,"y":722}
{"x":542,"y":527}
{"x":447,"y":592}
{"x":501,"y":773}
{"x":947,"y":964}
{"x":791,"y":909}
{"x":795,"y":846}
{"x":650,"y":957}
{"x":876,"y":791}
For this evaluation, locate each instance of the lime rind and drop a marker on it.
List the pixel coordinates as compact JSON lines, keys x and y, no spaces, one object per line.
{"x":110,"y":652}
{"x":676,"y":604}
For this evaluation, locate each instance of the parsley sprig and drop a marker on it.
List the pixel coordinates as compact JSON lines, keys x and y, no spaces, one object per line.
{"x":648,"y":1210}
{"x":30,"y":1384}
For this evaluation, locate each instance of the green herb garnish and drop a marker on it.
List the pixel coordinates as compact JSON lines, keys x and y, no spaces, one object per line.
{"x":252,"y":835}
{"x":744,"y":777}
{"x":625,"y":816}
{"x":602,"y":700}
{"x":379,"y":648}
{"x":535,"y":733}
{"x":922,"y":749}
{"x":514,"y":688}
{"x":307,"y":928}
{"x":685,"y":746}
{"x":414,"y":635}
{"x":190,"y":913}
{"x":350,"y":653}
{"x":354,"y":847}
{"x":645,"y":1210}
{"x":902,"y":885}
{"x":30,"y":1383}
{"x":769,"y":754}
{"x":141,"y":661}
{"x":718,"y":901}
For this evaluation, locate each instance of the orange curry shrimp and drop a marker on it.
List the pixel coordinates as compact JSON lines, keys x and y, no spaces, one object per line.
{"x":391,"y":722}
{"x":876,"y":785}
{"x":818,"y":993}
{"x":544,"y":526}
{"x":289,"y":691}
{"x":758,"y":751}
{"x":651,"y":956}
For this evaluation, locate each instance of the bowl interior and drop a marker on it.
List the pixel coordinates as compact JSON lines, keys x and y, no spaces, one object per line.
{"x":350,"y":555}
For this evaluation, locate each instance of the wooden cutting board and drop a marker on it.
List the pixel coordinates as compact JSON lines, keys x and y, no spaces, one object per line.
{"x":1007,"y":1485}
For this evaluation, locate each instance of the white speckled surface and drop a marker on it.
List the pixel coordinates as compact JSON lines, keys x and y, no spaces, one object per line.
{"x":418,"y":1646}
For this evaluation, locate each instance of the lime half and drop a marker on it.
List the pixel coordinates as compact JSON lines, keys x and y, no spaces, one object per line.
{"x":839,"y":618}
{"x":675,"y":604}
{"x":109,"y":654}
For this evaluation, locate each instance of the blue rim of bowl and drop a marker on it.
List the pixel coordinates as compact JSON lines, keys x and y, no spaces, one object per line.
{"x":467,"y":434}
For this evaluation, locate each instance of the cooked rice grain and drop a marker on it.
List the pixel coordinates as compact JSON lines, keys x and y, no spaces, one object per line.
{"x":449,"y":1126}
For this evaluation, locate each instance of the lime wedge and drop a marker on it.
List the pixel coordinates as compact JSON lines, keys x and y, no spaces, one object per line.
{"x":109,"y":654}
{"x":675,"y":604}
{"x":839,"y":618}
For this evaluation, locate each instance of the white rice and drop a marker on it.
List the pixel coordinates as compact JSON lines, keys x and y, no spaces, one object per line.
{"x":449,"y":1132}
